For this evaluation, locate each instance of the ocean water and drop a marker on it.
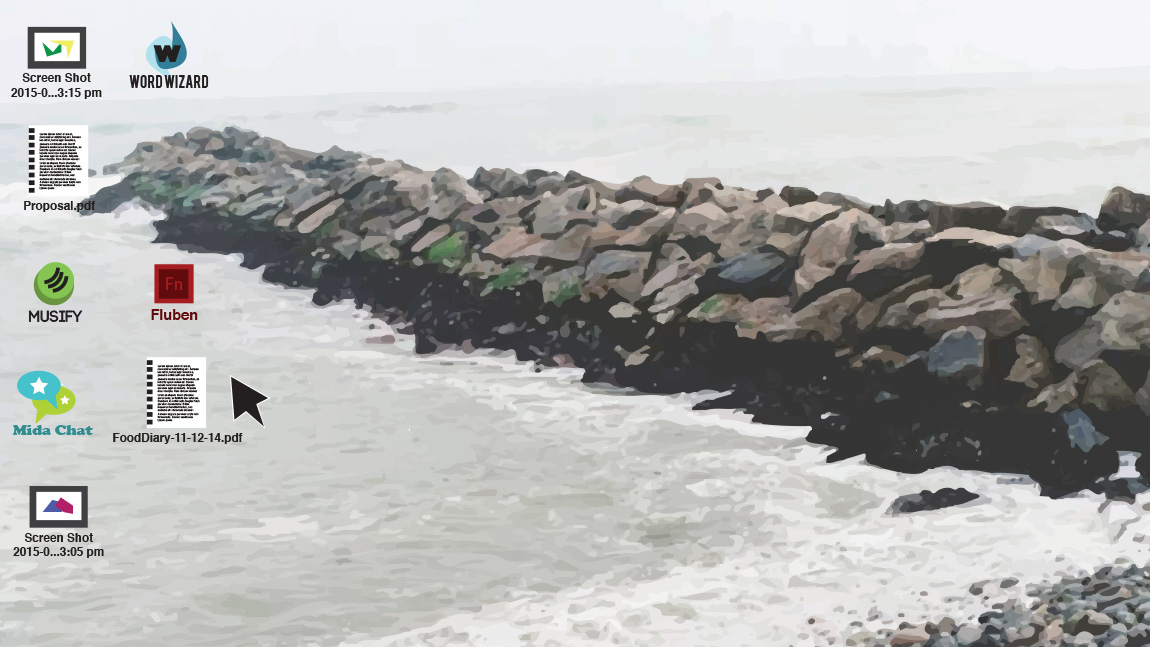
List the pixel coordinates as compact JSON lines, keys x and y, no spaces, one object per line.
{"x":467,"y":499}
{"x":1061,"y":139}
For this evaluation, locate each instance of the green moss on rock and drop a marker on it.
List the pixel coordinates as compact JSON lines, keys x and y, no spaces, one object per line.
{"x":448,"y":251}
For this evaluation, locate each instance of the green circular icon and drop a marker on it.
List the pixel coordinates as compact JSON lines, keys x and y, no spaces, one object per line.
{"x":54,"y":283}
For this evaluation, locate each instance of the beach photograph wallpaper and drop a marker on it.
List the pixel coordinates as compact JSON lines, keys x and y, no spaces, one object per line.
{"x":505,"y":323}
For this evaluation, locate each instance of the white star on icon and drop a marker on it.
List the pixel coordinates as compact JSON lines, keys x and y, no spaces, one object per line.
{"x":38,"y":386}
{"x":64,"y":399}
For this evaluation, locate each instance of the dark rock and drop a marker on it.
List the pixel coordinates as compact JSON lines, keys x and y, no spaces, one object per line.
{"x":879,"y":270}
{"x":1079,"y":227}
{"x":110,"y":197}
{"x":1080,"y":430}
{"x":960,"y":354}
{"x":795,"y":195}
{"x":1019,"y":221}
{"x":505,"y":183}
{"x":1112,"y":241}
{"x":845,"y":201}
{"x":699,"y":190}
{"x":645,"y":189}
{"x":1031,"y":366}
{"x":903,"y":212}
{"x":973,"y":215}
{"x":1090,"y":621}
{"x":1123,"y":210}
{"x":1119,"y":326}
{"x":754,"y":275}
{"x":800,"y":219}
{"x":831,"y":249}
{"x":931,"y":500}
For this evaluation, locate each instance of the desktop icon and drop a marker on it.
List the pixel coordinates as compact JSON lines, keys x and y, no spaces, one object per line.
{"x":46,"y":393}
{"x":58,"y":506}
{"x":54,"y":283}
{"x":166,"y":53}
{"x":175,"y":283}
{"x":57,"y":48}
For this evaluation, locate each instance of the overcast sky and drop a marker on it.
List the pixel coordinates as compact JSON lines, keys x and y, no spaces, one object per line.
{"x":258,"y":48}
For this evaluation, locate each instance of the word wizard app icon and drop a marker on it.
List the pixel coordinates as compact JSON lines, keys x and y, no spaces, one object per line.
{"x":166,"y":53}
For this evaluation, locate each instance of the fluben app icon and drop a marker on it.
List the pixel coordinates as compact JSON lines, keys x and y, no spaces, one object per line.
{"x":48,"y":396}
{"x":58,"y":506}
{"x":175,"y":284}
{"x":57,"y":48}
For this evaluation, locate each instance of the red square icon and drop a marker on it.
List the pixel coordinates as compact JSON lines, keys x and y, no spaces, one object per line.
{"x":175,"y":284}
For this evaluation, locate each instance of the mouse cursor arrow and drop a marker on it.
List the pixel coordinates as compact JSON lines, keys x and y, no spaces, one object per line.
{"x":245,"y":399}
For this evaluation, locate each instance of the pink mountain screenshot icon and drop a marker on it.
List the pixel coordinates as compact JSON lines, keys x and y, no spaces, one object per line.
{"x":59,"y":505}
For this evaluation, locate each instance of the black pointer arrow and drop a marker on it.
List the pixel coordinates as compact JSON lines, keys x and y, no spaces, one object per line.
{"x":245,"y":399}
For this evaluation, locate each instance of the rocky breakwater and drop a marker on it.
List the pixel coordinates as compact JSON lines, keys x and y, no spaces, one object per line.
{"x":919,"y":334}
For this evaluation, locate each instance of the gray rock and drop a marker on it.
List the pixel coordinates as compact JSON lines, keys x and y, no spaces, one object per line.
{"x":1021,"y":220}
{"x":870,"y":312}
{"x":674,"y":294}
{"x":1080,"y":431}
{"x":968,"y":634}
{"x":960,"y":354}
{"x":699,"y":190}
{"x":827,"y":318}
{"x":1057,"y":397}
{"x":515,"y":243}
{"x":1103,"y":388}
{"x":506,"y":183}
{"x":617,"y":270}
{"x":1032,"y":366}
{"x":1078,"y":227}
{"x":110,"y":197}
{"x":1042,"y":266}
{"x":980,"y":297}
{"x":1089,"y":621}
{"x":645,"y":189}
{"x":832,"y":245}
{"x":553,"y":214}
{"x":799,"y":219}
{"x":1120,"y":325}
{"x":845,"y":201}
{"x":754,"y":275}
{"x":648,"y":233}
{"x":1124,"y":210}
{"x":707,"y":220}
{"x":909,"y":637}
{"x":878,"y":270}
{"x":906,"y":211}
{"x":974,"y":238}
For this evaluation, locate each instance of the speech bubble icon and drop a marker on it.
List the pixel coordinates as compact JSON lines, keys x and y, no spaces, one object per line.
{"x":65,"y":400}
{"x":39,"y":385}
